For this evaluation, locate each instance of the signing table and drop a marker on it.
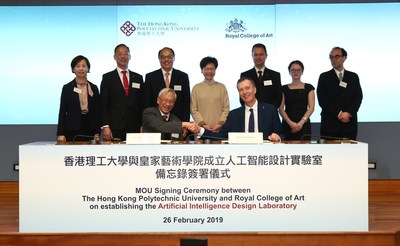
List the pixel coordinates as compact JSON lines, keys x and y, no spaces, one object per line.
{"x":193,"y":187}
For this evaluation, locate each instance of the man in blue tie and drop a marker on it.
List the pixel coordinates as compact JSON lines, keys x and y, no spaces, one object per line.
{"x":253,"y":116}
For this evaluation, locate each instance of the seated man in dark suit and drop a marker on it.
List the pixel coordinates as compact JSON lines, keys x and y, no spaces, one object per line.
{"x":253,"y":116}
{"x":160,"y":119}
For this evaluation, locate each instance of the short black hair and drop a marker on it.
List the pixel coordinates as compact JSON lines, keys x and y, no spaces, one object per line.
{"x":120,"y":45}
{"x":166,"y":48}
{"x":344,"y":52}
{"x":259,"y":45}
{"x":208,"y":60}
{"x":78,"y":59}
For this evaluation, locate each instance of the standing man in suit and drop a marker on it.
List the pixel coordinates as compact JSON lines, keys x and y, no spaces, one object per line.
{"x":267,"y":81}
{"x":265,"y":116}
{"x":160,"y":119}
{"x":339,"y":95}
{"x":168,"y":77}
{"x":121,"y":98}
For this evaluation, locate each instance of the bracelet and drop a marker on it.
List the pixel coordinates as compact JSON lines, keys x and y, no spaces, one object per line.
{"x":305,"y":118}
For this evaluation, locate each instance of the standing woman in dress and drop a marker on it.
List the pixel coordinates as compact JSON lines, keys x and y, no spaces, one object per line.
{"x":79,"y":105}
{"x":297,"y":105}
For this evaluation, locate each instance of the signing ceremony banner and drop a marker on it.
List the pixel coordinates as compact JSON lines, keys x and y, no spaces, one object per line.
{"x":193,"y":187}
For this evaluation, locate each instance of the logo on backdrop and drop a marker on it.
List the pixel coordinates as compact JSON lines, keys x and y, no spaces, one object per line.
{"x":237,"y":29}
{"x":128,"y":28}
{"x":236,"y":26}
{"x":155,"y":28}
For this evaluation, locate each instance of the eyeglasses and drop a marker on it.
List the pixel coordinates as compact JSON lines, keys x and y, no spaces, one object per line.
{"x":296,"y":70}
{"x":335,"y":57}
{"x":166,"y":101}
{"x":166,"y":57}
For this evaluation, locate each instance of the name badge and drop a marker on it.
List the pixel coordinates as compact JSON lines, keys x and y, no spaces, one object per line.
{"x":77,"y":90}
{"x":136,"y":85}
{"x":343,"y":84}
{"x":177,"y":88}
{"x":267,"y":82}
{"x":174,"y":135}
{"x":143,"y":138}
{"x":245,"y":137}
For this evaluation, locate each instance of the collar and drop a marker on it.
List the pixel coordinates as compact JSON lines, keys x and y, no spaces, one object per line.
{"x":163,"y":71}
{"x":337,"y":71}
{"x":210,"y":82}
{"x":254,"y":107}
{"x":120,"y":71}
{"x":162,"y":113}
{"x":262,"y":69}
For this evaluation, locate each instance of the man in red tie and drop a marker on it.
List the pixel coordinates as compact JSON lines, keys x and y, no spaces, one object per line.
{"x":121,"y":93}
{"x":160,"y":119}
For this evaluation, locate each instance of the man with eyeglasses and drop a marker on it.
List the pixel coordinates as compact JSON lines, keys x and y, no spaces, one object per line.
{"x":339,"y":95}
{"x":168,"y":77}
{"x":161,"y":119}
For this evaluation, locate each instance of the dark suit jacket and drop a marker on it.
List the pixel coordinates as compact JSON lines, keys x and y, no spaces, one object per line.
{"x":153,"y":122}
{"x":69,"y":116}
{"x":154,"y":83}
{"x":268,"y":122}
{"x":120,"y":112}
{"x":271,"y":94}
{"x":334,"y":98}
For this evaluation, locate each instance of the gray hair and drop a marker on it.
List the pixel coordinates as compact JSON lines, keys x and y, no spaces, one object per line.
{"x":165,"y":91}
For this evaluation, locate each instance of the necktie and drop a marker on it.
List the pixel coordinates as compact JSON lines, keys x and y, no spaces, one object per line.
{"x":126,"y":83}
{"x":260,"y":77}
{"x":165,"y":117}
{"x":251,"y":121}
{"x":340,"y":76}
{"x":167,"y":79}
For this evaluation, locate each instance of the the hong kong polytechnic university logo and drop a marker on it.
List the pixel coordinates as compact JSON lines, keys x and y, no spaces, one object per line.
{"x":128,"y":28}
{"x":235,"y":26}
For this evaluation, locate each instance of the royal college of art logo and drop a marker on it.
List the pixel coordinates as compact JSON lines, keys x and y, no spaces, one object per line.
{"x":235,"y":26}
{"x":128,"y":28}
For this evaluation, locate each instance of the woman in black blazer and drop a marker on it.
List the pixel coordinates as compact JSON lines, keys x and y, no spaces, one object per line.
{"x":79,"y":115}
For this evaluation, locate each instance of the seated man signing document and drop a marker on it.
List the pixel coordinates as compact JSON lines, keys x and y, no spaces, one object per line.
{"x":160,"y":119}
{"x":253,"y":116}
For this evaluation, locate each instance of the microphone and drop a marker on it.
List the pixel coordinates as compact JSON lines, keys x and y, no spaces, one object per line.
{"x":204,"y":139}
{"x":323,"y":138}
{"x":207,"y":139}
{"x":192,"y":136}
{"x":91,"y":141}
{"x":194,"y":139}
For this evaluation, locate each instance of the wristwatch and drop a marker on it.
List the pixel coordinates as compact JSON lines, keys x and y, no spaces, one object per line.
{"x":305,"y":118}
